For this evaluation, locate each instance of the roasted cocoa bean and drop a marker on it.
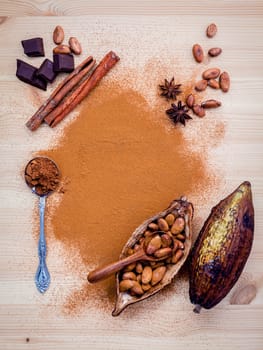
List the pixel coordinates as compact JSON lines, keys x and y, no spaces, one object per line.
{"x":178,"y":226}
{"x":213,"y":83}
{"x":211,"y":104}
{"x":214,"y":51}
{"x":162,"y":252}
{"x":170,"y":219}
{"x":62,"y":49}
{"x":75,"y":45}
{"x":166,"y":240}
{"x":177,"y":256}
{"x":180,"y":237}
{"x":199,"y":111}
{"x":224,"y":81}
{"x":153,"y":226}
{"x":137,"y":289}
{"x":147,"y":274}
{"x":201,"y":85}
{"x":58,"y":35}
{"x":211,"y":30}
{"x":179,"y":244}
{"x":198,"y":53}
{"x":129,"y":276}
{"x":158,"y":275}
{"x":154,"y":244}
{"x":139,"y":278}
{"x":126,"y":285}
{"x":130,"y":267}
{"x":190,"y":100}
{"x":146,"y":287}
{"x":163,"y":225}
{"x":211,"y":73}
{"x":139,"y":267}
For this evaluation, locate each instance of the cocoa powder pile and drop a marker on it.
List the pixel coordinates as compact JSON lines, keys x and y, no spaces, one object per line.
{"x":42,"y":175}
{"x":123,"y":165}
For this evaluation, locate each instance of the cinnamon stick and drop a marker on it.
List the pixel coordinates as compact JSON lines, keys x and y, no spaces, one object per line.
{"x":71,"y":101}
{"x":60,"y":92}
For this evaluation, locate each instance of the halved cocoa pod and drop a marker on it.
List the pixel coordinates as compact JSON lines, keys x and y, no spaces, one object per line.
{"x":164,"y":271}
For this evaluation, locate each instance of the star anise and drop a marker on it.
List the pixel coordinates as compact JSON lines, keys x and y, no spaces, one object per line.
{"x":178,"y":114}
{"x":170,"y":90}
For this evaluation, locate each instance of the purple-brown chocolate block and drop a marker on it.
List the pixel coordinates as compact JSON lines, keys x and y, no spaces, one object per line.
{"x":63,"y":62}
{"x":33,"y":47}
{"x":46,"y":71}
{"x":27,"y":74}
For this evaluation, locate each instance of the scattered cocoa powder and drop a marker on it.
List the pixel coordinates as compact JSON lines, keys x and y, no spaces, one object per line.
{"x":123,"y":166}
{"x":42,"y":175}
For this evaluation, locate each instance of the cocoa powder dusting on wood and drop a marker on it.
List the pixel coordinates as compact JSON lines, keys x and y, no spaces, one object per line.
{"x":123,"y":167}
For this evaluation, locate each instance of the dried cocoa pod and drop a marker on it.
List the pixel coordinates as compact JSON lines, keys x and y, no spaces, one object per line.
{"x":180,"y":208}
{"x":215,"y":268}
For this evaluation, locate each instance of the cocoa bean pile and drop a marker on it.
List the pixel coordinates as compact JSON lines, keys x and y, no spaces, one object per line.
{"x":164,"y":237}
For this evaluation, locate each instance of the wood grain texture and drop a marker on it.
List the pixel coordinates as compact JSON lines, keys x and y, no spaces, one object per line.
{"x":131,"y":7}
{"x":162,"y":322}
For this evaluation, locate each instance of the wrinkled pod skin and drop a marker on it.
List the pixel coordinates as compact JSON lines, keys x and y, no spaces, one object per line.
{"x":222,"y":248}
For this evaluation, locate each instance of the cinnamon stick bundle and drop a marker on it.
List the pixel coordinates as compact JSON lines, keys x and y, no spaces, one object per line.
{"x":60,"y":92}
{"x":72,"y":90}
{"x":68,"y":104}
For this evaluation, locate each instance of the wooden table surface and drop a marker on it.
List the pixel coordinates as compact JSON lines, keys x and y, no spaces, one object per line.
{"x":26,"y":314}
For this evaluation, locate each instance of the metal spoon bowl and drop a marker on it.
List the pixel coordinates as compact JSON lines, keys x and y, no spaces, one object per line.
{"x":36,"y":179}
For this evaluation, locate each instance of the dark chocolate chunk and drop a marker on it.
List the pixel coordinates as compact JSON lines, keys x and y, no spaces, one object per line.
{"x":63,"y":62}
{"x":33,"y":47}
{"x":46,"y":71}
{"x":27,"y":74}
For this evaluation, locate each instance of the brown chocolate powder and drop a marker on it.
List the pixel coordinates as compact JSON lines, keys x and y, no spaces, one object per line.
{"x":123,"y":166}
{"x":42,"y":175}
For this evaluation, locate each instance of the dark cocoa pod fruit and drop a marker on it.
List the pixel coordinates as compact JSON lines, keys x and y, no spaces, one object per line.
{"x":222,"y":248}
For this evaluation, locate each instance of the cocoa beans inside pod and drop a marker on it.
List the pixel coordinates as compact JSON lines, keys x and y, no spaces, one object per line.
{"x":156,"y":275}
{"x":222,"y":248}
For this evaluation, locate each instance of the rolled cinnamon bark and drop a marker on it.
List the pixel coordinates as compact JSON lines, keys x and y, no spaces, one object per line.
{"x":71,"y":101}
{"x":60,"y":92}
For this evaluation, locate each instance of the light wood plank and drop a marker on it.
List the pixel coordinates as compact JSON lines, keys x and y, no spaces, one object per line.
{"x":166,"y":321}
{"x":131,"y":7}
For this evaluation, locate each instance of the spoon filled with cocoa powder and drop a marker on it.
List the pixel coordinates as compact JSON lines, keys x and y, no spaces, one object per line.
{"x":42,"y":176}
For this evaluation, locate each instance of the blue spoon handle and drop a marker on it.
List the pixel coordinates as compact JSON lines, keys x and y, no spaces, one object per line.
{"x":42,"y":278}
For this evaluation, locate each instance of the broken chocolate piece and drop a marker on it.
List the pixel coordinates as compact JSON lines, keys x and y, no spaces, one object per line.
{"x":46,"y":71}
{"x":63,"y":62}
{"x":27,"y":74}
{"x":33,"y":47}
